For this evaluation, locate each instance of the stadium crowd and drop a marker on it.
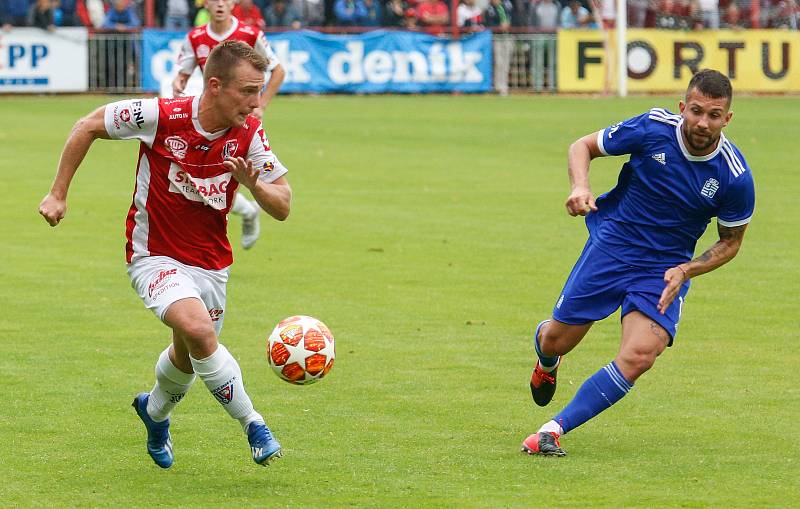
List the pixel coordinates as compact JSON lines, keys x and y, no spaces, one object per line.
{"x":432,"y":16}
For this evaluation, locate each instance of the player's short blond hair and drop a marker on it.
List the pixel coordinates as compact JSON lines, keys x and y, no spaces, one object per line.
{"x":225,"y":57}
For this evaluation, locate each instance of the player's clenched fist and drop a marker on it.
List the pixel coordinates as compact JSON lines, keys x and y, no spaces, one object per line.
{"x":580,"y":202}
{"x":52,"y":209}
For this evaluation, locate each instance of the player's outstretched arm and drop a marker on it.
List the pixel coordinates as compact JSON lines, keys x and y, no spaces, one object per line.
{"x":723,"y":251}
{"x":274,"y":197}
{"x":581,"y":200}
{"x":54,"y":205}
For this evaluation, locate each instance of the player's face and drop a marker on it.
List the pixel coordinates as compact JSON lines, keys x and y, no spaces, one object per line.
{"x":220,"y":10}
{"x":703,"y":121}
{"x":239,"y":97}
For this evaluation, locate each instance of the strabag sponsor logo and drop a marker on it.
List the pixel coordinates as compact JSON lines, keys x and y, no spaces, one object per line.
{"x":211,"y":191}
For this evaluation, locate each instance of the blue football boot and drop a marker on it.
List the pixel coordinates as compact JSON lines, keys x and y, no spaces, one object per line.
{"x":159,"y":442}
{"x":264,"y":446}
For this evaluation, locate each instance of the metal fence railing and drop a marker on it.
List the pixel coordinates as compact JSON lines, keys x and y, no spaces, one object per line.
{"x":114,"y":62}
{"x":532,"y":65}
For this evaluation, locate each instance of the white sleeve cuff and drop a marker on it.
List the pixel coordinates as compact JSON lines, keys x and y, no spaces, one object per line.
{"x":601,"y":134}
{"x":733,"y":224}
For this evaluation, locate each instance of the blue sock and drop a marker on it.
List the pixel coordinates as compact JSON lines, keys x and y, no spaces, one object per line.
{"x":546,"y":362}
{"x":599,"y":392}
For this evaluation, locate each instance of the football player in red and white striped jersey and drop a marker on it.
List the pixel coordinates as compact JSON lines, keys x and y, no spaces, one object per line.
{"x":193,"y":154}
{"x":195,"y":50}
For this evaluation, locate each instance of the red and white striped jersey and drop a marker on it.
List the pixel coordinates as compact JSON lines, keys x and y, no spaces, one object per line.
{"x":199,"y":42}
{"x":183,"y":192}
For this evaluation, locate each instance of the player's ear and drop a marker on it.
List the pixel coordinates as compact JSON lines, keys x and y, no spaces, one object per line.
{"x":681,"y":106}
{"x":214,"y":84}
{"x":728,"y":117}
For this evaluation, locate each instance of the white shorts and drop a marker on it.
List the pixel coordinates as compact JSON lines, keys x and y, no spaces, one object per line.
{"x":160,"y":281}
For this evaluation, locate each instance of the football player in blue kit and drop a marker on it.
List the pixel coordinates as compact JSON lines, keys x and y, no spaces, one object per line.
{"x":682,"y":172}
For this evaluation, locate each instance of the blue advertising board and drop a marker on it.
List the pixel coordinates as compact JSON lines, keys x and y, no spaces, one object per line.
{"x":374,"y":62}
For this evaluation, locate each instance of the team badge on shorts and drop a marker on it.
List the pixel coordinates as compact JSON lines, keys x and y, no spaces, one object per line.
{"x":224,"y":393}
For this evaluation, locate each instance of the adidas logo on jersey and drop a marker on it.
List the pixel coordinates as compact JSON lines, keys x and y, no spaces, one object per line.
{"x":661,"y":158}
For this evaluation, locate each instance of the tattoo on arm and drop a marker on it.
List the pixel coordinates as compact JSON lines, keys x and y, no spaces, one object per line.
{"x":730,"y":238}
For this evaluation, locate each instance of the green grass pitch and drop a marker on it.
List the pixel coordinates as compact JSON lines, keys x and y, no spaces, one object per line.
{"x":429,"y":233}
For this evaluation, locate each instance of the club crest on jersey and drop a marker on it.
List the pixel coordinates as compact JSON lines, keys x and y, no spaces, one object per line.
{"x":203,"y":50}
{"x":177,"y":146}
{"x":229,"y":150}
{"x":660,"y":158}
{"x":224,"y":393}
{"x":710,"y":188}
{"x":125,"y":115}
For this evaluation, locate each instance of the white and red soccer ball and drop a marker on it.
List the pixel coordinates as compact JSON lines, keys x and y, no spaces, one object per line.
{"x":301,"y":350}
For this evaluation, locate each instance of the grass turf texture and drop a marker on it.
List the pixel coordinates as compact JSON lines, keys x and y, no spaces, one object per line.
{"x":429,"y":233}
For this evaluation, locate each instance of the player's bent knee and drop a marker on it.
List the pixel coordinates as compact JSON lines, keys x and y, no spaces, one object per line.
{"x":635,"y":363}
{"x":559,"y":338}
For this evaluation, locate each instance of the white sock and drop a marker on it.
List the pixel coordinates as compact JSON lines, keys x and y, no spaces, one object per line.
{"x":551,"y":427}
{"x":223,"y":377}
{"x":242,"y":206}
{"x":171,"y":386}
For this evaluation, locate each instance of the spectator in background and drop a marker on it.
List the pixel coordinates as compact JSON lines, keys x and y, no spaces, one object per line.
{"x":666,"y":19}
{"x":40,"y":15}
{"x":394,"y":13}
{"x":637,"y":12}
{"x":497,"y":16}
{"x":410,"y":22}
{"x":348,"y":12}
{"x":469,"y":15}
{"x":282,"y":14}
{"x":371,"y":14}
{"x":708,"y":11}
{"x":203,"y":16}
{"x":96,"y":12}
{"x":65,"y":13}
{"x":733,"y":19}
{"x":14,"y":13}
{"x":575,"y":15}
{"x":605,"y":11}
{"x":433,"y":15}
{"x":544,"y":15}
{"x":122,"y":16}
{"x":312,"y":12}
{"x":248,"y":13}
{"x":176,"y":16}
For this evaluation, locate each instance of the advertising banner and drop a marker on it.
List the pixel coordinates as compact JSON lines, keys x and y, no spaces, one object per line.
{"x":35,"y":60}
{"x":664,"y":60}
{"x":373,"y":62}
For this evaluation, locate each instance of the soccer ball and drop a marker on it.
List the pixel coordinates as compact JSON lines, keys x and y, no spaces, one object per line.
{"x":300,"y":350}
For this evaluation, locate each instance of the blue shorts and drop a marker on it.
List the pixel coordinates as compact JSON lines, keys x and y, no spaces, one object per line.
{"x":599,"y":284}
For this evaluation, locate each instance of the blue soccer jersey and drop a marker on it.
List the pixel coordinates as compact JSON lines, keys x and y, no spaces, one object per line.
{"x":665,"y":197}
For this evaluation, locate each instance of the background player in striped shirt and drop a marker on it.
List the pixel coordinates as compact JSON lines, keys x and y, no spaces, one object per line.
{"x":682,"y":172}
{"x":195,"y":50}
{"x":193,"y":154}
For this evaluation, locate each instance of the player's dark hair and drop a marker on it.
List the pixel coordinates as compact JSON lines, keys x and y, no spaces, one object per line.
{"x":712,"y":84}
{"x":225,"y":57}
